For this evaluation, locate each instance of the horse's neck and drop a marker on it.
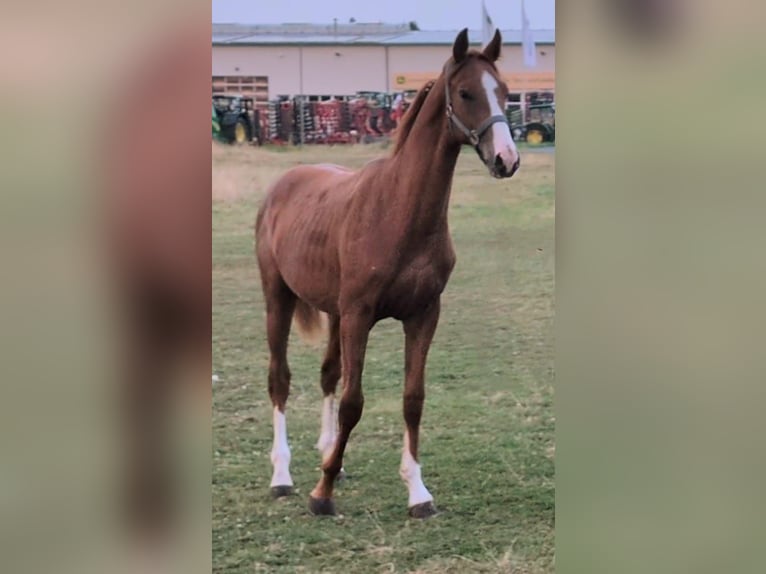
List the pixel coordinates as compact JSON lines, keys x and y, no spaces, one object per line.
{"x":425,"y":165}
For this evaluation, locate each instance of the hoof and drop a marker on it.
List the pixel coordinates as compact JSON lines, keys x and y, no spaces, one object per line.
{"x":280,"y":491}
{"x":422,"y":510}
{"x":321,"y":506}
{"x":341,"y":476}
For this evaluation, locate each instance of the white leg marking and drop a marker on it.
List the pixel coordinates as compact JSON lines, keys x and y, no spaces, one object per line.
{"x":410,"y":473}
{"x":280,"y":452}
{"x":502,"y":141}
{"x":326,"y":440}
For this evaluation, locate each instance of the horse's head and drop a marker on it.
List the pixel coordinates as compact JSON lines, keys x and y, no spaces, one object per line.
{"x":475,"y":97}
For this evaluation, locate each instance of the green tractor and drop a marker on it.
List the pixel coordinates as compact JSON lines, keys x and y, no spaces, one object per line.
{"x":534,"y":123}
{"x":235,"y":119}
{"x":217,"y":135}
{"x":540,"y":126}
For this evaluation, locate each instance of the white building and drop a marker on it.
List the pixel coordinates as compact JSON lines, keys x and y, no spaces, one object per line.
{"x":292,"y":59}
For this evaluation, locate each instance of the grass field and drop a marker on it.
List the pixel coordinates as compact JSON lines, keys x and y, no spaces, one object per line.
{"x":487,"y":445}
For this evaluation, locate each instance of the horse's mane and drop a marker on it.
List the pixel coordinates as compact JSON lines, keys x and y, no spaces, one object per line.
{"x":411,"y":115}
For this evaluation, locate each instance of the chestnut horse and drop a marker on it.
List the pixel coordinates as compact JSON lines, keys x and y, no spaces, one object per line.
{"x":370,"y":244}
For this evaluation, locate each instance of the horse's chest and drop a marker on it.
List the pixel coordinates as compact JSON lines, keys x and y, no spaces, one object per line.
{"x":420,"y":282}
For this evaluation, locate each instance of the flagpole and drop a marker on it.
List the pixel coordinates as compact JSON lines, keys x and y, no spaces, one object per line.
{"x":487,"y":26}
{"x":527,"y":40}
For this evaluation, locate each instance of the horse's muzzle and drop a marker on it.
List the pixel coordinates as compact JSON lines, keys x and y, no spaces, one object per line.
{"x":501,"y":170}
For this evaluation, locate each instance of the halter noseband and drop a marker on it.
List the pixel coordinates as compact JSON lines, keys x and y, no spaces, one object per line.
{"x":473,"y":135}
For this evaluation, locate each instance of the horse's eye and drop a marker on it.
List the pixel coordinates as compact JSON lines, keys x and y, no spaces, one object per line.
{"x":465,"y":95}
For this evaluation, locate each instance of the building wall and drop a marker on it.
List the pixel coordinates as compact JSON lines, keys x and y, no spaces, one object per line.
{"x":318,"y":70}
{"x":411,"y":66}
{"x":343,"y":69}
{"x":280,"y":63}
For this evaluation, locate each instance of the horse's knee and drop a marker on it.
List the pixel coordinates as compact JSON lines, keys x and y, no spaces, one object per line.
{"x":413,"y":407}
{"x":279,"y":384}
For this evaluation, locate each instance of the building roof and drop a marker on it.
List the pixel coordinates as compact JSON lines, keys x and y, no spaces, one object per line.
{"x":366,"y":34}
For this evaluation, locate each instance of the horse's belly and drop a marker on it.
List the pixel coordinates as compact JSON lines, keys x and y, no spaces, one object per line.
{"x":319,"y":292}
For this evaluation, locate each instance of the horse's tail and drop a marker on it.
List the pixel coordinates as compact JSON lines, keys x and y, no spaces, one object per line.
{"x":310,"y":321}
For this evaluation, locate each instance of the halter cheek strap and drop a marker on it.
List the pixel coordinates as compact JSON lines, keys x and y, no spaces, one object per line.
{"x":473,"y":135}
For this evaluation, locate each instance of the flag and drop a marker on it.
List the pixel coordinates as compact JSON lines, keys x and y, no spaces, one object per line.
{"x":527,"y":40}
{"x":487,"y":27}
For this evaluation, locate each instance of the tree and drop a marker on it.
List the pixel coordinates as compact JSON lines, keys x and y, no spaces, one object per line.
{"x":414,"y":25}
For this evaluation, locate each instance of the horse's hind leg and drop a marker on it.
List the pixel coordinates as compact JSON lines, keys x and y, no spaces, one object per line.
{"x":280,"y":304}
{"x":331,"y":370}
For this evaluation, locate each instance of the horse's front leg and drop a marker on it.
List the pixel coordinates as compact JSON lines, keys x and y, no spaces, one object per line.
{"x":354,"y":332}
{"x":419,"y":331}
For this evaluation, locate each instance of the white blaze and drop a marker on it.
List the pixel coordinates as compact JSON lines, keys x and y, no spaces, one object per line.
{"x":326,"y":440}
{"x":280,"y":452}
{"x":410,"y":473}
{"x":502,"y":142}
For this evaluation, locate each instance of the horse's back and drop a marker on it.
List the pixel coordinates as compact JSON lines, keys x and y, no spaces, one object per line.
{"x":303,"y":182}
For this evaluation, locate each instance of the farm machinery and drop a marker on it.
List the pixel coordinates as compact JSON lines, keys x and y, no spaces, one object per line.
{"x":534,"y":121}
{"x":331,"y":119}
{"x":235,"y":119}
{"x":362,"y":117}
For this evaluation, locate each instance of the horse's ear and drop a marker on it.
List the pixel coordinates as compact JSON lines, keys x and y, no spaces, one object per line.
{"x":460,"y":47}
{"x":492,"y":51}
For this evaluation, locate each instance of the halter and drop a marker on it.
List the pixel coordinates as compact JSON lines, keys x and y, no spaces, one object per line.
{"x":473,"y":135}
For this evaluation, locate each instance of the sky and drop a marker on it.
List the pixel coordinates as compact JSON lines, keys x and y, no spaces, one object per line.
{"x":429,"y":14}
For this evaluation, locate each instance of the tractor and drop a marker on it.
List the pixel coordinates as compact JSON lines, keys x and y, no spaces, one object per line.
{"x":540,"y":126}
{"x":533,"y":122}
{"x":237,"y":119}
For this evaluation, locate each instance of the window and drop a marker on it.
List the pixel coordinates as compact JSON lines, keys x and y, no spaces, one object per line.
{"x":256,"y":87}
